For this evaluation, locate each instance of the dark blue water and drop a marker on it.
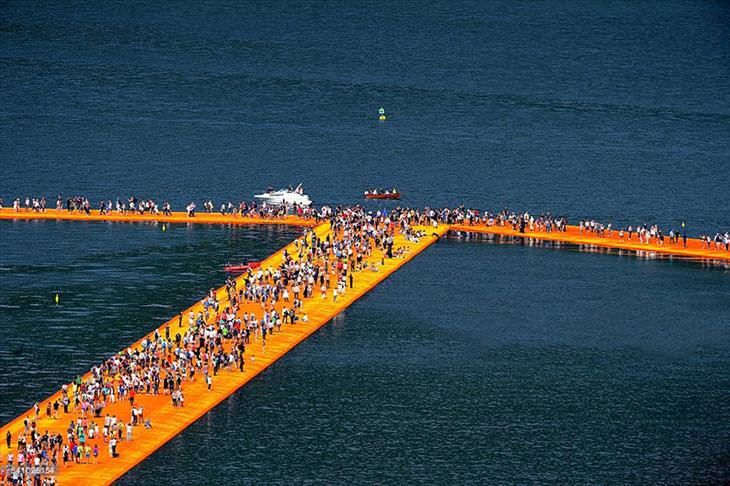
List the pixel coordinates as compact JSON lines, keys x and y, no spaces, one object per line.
{"x":475,"y":363}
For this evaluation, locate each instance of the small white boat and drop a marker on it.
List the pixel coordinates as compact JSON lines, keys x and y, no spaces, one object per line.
{"x":290,"y":197}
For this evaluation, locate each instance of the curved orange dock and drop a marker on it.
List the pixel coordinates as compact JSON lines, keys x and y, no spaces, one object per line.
{"x":168,"y":421}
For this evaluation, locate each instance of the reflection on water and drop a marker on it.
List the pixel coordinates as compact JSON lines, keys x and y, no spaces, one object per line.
{"x":584,"y":248}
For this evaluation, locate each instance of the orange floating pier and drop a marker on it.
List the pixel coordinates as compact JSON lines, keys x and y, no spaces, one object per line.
{"x":174,"y":217}
{"x":168,"y":420}
{"x":695,"y":248}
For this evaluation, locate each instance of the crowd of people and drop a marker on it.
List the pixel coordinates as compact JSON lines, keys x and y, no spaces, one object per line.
{"x":229,"y":327}
{"x":545,"y":222}
{"x":520,"y":221}
{"x":134,"y":205}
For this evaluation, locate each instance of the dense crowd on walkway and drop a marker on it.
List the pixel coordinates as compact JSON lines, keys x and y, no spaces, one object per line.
{"x":230,"y":328}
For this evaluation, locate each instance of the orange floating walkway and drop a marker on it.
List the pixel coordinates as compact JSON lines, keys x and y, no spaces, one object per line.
{"x":695,"y":248}
{"x":167,"y":420}
{"x":175,"y":217}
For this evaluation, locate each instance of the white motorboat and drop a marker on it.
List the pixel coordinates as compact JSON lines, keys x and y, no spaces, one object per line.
{"x":290,"y":197}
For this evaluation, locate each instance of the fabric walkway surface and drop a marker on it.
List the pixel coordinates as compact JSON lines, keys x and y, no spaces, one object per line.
{"x":174,"y":217}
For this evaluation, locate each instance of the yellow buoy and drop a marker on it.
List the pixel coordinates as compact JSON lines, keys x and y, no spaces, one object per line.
{"x":57,"y":298}
{"x":381,"y":118}
{"x":164,"y":228}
